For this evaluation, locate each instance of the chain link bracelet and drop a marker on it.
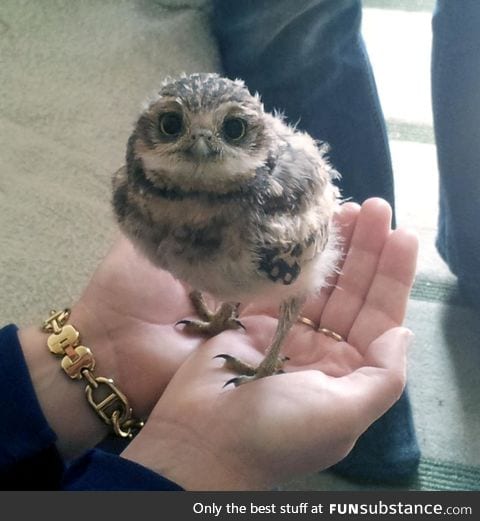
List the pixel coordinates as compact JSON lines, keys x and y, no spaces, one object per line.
{"x":108,"y":402}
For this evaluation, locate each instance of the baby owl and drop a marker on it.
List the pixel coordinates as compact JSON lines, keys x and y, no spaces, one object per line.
{"x":230,"y":200}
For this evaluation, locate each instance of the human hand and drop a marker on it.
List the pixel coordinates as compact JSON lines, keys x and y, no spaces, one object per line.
{"x":127,"y":317}
{"x":205,"y":436}
{"x":130,"y":309}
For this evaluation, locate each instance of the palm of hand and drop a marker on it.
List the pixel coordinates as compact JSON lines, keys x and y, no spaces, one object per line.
{"x":136,"y":307}
{"x":332,"y":391}
{"x":367,"y":299}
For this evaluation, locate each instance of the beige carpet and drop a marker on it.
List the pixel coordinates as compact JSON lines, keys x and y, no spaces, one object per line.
{"x":74,"y":76}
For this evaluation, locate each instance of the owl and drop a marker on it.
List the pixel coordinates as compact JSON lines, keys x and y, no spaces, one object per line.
{"x":232,"y":201}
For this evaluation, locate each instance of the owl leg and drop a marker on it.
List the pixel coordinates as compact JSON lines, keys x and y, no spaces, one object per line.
{"x":211,"y":323}
{"x":272,"y":363}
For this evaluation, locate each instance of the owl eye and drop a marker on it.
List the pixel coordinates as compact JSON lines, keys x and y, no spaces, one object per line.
{"x":234,"y":129}
{"x":171,"y":124}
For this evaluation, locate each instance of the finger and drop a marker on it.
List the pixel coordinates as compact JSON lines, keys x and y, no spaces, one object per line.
{"x":376,"y":386}
{"x":344,"y":221}
{"x":369,"y":236}
{"x":385,"y":304}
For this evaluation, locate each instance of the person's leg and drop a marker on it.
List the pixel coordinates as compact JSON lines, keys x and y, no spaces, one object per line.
{"x":307,"y":59}
{"x":456,"y":111}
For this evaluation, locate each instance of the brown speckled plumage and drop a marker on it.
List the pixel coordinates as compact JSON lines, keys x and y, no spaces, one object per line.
{"x":228,"y":198}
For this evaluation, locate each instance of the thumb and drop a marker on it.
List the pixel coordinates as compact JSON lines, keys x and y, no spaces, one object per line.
{"x":379,"y":383}
{"x":389,"y":352}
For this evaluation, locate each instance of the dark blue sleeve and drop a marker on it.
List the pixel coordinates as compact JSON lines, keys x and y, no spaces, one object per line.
{"x":29,"y":459}
{"x":28,"y":456}
{"x":99,"y":470}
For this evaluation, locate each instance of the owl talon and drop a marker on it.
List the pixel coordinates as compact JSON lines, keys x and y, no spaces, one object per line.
{"x":237,"y":366}
{"x":238,"y":380}
{"x":248,"y":373}
{"x":182,"y":322}
{"x":212,"y":323}
{"x":239,"y":324}
{"x":192,"y":326}
{"x":243,"y":379}
{"x":212,"y":327}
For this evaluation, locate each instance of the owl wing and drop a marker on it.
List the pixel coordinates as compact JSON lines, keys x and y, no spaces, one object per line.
{"x":282,"y":263}
{"x":295,"y":206}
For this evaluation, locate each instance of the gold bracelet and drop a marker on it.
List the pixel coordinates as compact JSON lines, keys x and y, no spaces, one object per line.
{"x":103,"y":396}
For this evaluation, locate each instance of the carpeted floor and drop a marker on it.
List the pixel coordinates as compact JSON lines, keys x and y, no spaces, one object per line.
{"x":74,"y":75}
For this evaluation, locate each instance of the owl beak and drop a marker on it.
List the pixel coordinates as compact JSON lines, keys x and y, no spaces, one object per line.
{"x":201,"y":146}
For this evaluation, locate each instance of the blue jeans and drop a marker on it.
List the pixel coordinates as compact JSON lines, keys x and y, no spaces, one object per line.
{"x":307,"y":58}
{"x":456,"y":111}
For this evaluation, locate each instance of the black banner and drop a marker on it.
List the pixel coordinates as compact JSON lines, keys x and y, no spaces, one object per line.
{"x":242,"y":505}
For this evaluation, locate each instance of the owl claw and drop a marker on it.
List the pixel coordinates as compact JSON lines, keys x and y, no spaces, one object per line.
{"x":225,"y":357}
{"x":246,"y":372}
{"x":239,"y":324}
{"x":182,"y":322}
{"x":235,"y":365}
{"x":193,"y":326}
{"x":238,"y":380}
{"x":212,"y":323}
{"x":212,"y":327}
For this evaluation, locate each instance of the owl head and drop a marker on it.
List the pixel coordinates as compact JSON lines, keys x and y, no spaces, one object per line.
{"x":203,"y":132}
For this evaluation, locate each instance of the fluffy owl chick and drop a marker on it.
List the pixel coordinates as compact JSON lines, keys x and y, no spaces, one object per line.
{"x":232,"y":201}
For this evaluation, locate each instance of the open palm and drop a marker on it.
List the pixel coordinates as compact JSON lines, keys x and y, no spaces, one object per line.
{"x":368,"y":297}
{"x":309,"y":417}
{"x":131,"y":308}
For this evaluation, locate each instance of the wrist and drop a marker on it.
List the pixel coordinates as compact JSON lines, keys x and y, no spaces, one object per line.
{"x":61,"y":398}
{"x":183,"y":457}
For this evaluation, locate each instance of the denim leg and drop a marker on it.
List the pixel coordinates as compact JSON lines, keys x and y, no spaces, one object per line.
{"x":307,"y":59}
{"x":456,"y":111}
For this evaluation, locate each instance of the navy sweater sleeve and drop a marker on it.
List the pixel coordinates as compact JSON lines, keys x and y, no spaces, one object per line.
{"x":99,"y":470}
{"x":29,"y":459}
